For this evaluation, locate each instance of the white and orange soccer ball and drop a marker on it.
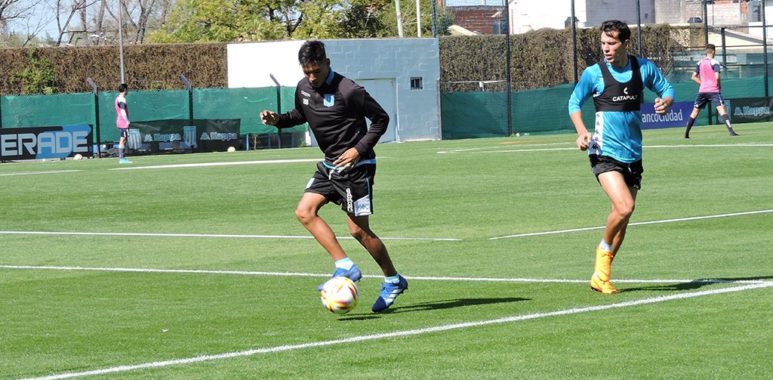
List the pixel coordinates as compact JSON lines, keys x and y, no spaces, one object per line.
{"x":339,"y":295}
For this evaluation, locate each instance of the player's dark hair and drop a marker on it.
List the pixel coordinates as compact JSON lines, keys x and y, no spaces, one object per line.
{"x":609,"y":26}
{"x":312,"y":52}
{"x":711,"y":47}
{"x":123,"y":87}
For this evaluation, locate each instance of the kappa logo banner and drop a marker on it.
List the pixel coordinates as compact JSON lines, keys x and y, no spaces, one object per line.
{"x":45,"y":142}
{"x":200,"y":135}
{"x":751,"y":110}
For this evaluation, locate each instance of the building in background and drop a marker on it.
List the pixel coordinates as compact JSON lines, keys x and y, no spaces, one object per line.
{"x":402,"y":74}
{"x":476,"y":16}
{"x":487,"y":16}
{"x":528,"y":15}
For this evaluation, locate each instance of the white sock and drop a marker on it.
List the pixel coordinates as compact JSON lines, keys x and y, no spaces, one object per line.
{"x":605,"y":246}
{"x":345,"y":263}
{"x":392,"y":279}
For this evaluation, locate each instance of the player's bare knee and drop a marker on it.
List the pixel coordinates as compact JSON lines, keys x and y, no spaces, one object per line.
{"x":625,"y":210}
{"x":304,"y":215}
{"x":358,"y":233}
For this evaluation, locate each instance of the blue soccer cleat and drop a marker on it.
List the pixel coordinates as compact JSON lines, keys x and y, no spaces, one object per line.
{"x":352,"y":273}
{"x":389,"y":293}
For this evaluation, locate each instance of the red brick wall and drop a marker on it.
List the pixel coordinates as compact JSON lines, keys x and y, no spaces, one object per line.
{"x":477,"y":19}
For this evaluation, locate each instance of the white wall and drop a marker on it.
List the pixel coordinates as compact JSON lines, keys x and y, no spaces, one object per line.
{"x":527,"y":15}
{"x":757,"y":30}
{"x":249,"y":65}
{"x":598,"y":11}
{"x":383,"y":66}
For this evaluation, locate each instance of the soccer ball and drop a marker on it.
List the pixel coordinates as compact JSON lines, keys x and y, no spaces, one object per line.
{"x":231,"y":149}
{"x":77,"y":157}
{"x":339,"y":295}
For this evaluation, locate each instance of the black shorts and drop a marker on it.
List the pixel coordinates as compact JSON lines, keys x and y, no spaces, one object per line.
{"x":704,"y":98}
{"x":350,"y":188}
{"x":631,"y":172}
{"x":123,"y":132}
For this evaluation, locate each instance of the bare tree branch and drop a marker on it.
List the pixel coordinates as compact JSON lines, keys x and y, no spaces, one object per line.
{"x":14,"y":9}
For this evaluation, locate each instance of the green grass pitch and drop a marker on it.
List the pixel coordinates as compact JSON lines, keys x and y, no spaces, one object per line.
{"x":166,"y":269}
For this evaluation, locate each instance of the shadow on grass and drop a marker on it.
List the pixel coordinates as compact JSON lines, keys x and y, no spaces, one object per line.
{"x":695,"y":284}
{"x":450,"y":304}
{"x":437,"y":305}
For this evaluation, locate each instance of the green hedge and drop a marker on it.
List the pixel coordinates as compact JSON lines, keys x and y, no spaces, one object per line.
{"x":541,"y":58}
{"x":149,"y":67}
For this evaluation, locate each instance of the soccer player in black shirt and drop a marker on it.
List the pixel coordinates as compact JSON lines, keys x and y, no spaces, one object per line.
{"x":335,"y":109}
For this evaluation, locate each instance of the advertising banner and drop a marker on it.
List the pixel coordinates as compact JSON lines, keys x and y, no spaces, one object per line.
{"x":677,"y":116}
{"x":751,"y":110}
{"x":45,"y":142}
{"x":200,"y":135}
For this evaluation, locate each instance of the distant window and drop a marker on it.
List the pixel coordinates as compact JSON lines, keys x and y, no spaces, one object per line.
{"x":416,"y":83}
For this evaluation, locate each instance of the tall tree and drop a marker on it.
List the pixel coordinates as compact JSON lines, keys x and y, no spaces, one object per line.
{"x":408,"y":15}
{"x":139,"y":17}
{"x":256,"y":20}
{"x":66,"y":11}
{"x":11,"y":10}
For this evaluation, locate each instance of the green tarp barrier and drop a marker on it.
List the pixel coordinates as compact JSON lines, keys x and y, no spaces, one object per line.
{"x":209,"y":103}
{"x":484,"y":114}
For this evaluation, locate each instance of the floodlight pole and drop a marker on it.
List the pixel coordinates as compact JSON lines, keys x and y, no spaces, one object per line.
{"x":574,"y":43}
{"x":95,"y":91}
{"x":278,"y":108}
{"x":418,"y":18}
{"x":508,"y":63}
{"x":765,"y":48}
{"x":399,"y":19}
{"x":705,"y":24}
{"x":638,"y":29}
{"x":120,"y":40}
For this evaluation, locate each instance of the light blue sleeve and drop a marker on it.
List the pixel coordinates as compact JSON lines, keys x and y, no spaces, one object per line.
{"x":655,"y":80}
{"x":584,"y":88}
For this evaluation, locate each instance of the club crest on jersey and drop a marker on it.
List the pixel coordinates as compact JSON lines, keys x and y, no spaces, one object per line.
{"x":329,"y":100}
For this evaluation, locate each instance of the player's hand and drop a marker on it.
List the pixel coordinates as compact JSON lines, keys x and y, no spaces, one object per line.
{"x":269,"y":117}
{"x":662,"y":105}
{"x":583,"y":140}
{"x":347,"y":159}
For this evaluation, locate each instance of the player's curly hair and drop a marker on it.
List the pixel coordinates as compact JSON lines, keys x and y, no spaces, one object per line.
{"x":312,"y":52}
{"x":609,"y":26}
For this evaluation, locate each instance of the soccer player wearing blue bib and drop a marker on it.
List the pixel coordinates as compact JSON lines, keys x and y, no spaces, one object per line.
{"x":616,"y":84}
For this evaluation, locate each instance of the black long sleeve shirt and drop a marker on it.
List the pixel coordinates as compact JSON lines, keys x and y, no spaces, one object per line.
{"x":336,"y":113}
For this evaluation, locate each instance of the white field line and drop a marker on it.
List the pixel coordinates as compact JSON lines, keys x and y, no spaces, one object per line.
{"x":36,"y":173}
{"x":514,"y":145}
{"x":405,"y":333}
{"x":210,"y":164}
{"x":224,"y":236}
{"x":515,"y":148}
{"x":324,"y":275}
{"x":675,"y":220}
